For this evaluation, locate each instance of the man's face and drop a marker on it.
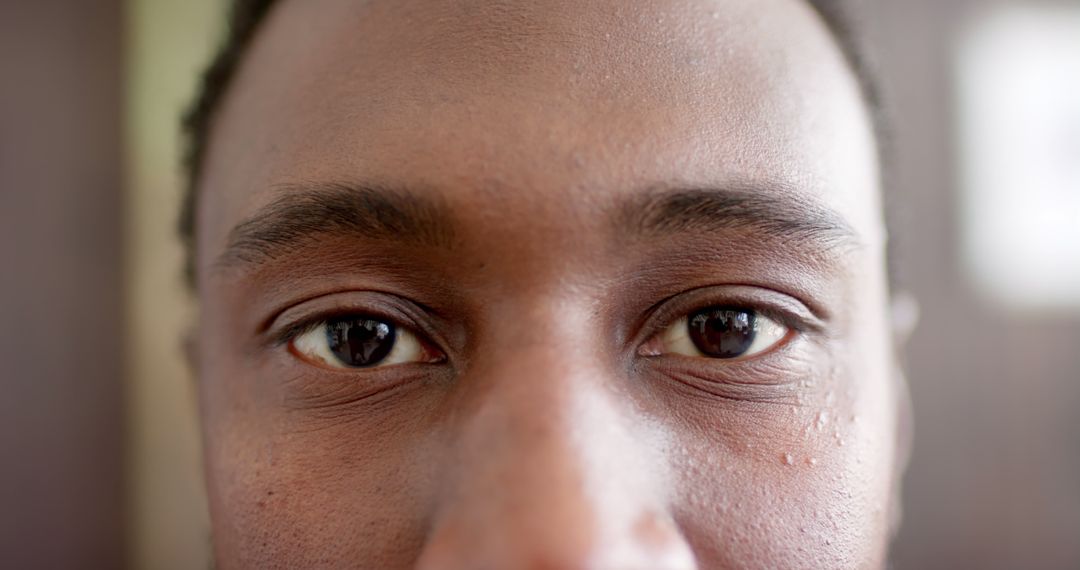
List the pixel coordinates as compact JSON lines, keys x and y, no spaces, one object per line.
{"x":545,"y":284}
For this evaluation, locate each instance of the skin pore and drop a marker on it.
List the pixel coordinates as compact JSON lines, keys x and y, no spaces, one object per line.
{"x":537,"y":196}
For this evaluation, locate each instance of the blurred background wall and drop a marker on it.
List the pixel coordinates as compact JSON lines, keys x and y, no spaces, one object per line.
{"x":168,"y":43}
{"x":99,"y":448}
{"x":61,"y":284}
{"x":994,"y":367}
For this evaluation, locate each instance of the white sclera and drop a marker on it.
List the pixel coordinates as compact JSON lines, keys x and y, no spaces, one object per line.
{"x":676,"y":339}
{"x":315,"y":346}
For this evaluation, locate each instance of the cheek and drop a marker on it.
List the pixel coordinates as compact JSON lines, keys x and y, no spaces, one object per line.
{"x":293,"y":488}
{"x":791,"y":487}
{"x":298,"y":498}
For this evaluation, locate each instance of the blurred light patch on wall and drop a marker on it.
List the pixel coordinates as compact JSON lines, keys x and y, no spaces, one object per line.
{"x":168,"y":43}
{"x":1019,"y":110}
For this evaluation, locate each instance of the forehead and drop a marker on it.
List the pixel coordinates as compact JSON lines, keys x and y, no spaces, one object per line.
{"x":497,"y":102}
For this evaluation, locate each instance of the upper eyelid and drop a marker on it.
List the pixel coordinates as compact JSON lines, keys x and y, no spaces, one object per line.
{"x":669,"y":311}
{"x":373,"y":300}
{"x":294,"y":330}
{"x":288,"y":332}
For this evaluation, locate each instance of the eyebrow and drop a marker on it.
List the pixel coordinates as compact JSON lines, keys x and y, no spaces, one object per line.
{"x":303,"y":213}
{"x":776,"y":211}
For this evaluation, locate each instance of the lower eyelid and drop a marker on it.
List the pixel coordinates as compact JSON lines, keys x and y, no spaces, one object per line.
{"x":773,"y":375}
{"x":748,"y":388}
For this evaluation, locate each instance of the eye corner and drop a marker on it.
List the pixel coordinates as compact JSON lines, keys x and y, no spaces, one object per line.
{"x":313,"y":360}
{"x":651,"y":348}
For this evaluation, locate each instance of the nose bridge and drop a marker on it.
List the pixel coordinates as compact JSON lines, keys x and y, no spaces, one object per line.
{"x":549,"y":469}
{"x":550,"y":423}
{"x":542,"y":410}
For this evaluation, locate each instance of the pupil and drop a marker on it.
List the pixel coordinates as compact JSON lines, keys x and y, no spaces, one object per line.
{"x":723,"y":332}
{"x":358,"y":341}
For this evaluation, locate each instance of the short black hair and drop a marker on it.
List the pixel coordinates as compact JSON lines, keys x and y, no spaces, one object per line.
{"x":246,"y":16}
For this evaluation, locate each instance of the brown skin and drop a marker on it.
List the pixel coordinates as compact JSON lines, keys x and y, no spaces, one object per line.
{"x":545,"y":429}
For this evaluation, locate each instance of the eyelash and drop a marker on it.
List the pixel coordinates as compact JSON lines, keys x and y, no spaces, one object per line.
{"x":291,"y":332}
{"x":305,"y":325}
{"x":667,"y":312}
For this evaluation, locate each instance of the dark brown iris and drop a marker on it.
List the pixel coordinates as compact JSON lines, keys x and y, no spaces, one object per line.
{"x":359,"y":341}
{"x":723,"y":332}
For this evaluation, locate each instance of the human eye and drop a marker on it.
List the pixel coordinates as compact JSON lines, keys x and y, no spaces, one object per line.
{"x":360,"y":341}
{"x":720,"y":332}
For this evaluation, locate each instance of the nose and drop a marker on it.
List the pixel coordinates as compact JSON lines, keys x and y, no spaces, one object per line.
{"x":549,"y":470}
